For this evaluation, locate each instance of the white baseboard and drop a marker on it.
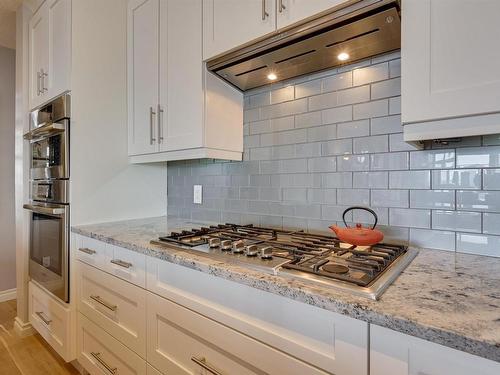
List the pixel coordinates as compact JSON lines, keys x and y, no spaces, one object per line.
{"x":7,"y":295}
{"x":23,"y":329}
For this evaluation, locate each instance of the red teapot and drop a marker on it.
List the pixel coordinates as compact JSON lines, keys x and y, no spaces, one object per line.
{"x":358,"y":235}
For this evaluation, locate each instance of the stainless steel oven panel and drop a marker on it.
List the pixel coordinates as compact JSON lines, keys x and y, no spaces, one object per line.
{"x":51,"y":191}
{"x":50,"y":152}
{"x":49,"y":247}
{"x":56,"y":110}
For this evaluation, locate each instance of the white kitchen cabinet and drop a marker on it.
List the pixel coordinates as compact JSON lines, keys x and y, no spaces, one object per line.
{"x":174,"y":109}
{"x":291,"y":11}
{"x":180,"y":341}
{"x":113,"y":304}
{"x":49,"y":51}
{"x":52,"y":319}
{"x":100,"y":353}
{"x":449,"y":68}
{"x":230,"y":23}
{"x":143,"y":20}
{"x":394,"y":353}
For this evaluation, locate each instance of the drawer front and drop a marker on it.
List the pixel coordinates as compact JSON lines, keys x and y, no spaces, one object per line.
{"x":181,"y":341}
{"x":113,"y":304}
{"x":127,"y":265}
{"x":101,"y":354}
{"x":92,"y":252}
{"x":51,"y":320}
{"x":322,"y":338}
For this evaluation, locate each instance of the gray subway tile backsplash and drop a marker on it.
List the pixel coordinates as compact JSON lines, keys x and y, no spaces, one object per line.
{"x":323,"y":142}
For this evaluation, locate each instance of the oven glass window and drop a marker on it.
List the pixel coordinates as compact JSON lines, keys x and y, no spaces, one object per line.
{"x":47,"y":152}
{"x":46,"y":241}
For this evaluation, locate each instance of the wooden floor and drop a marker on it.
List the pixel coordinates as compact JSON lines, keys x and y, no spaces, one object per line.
{"x":26,"y":356}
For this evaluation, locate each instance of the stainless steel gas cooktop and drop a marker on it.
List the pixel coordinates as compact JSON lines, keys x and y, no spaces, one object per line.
{"x":362,"y":270}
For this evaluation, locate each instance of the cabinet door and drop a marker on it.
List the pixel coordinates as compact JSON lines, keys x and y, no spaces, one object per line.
{"x":56,"y":78}
{"x":143,"y":18}
{"x":291,"y":11}
{"x":394,"y":353}
{"x":38,"y":54}
{"x":230,"y":23}
{"x":449,"y":62}
{"x":180,"y":120}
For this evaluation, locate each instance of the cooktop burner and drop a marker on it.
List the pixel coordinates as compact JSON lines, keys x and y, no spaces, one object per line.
{"x":365,"y":270}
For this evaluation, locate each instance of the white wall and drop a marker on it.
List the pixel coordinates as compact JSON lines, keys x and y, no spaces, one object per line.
{"x":7,"y":206}
{"x":104,"y":185}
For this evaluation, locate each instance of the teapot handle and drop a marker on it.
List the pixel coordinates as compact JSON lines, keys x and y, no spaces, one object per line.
{"x":360,"y":208}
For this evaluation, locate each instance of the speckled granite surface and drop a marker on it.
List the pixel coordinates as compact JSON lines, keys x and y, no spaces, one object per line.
{"x":447,"y":298}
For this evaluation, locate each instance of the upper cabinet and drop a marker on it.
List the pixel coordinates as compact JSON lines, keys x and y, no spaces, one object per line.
{"x":176,"y":109}
{"x":228,"y":24}
{"x":291,"y":11}
{"x":450,"y":68}
{"x":49,"y":51}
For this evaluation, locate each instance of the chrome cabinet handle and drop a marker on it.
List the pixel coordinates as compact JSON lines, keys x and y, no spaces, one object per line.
{"x":160,"y":123}
{"x":38,"y":79}
{"x":43,"y":75}
{"x":121,"y":263}
{"x":264,"y":13}
{"x":106,"y":304}
{"x":152,"y":113}
{"x":98,"y":358}
{"x":87,"y":251}
{"x":281,"y":7}
{"x":40,"y":314}
{"x":203,"y":363}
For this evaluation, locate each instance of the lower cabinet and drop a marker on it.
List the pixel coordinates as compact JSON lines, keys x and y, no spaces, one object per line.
{"x":181,"y":341}
{"x":394,"y":353}
{"x":101,"y":354}
{"x":52,"y":320}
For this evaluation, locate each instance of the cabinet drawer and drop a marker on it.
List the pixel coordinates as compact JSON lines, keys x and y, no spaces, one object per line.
{"x":181,"y":341}
{"x":92,"y":251}
{"x":322,"y":338}
{"x":127,"y":265}
{"x":51,"y":319}
{"x":101,"y":354}
{"x":113,"y":304}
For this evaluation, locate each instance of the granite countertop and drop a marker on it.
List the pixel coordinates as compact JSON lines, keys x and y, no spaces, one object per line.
{"x":448,"y":298}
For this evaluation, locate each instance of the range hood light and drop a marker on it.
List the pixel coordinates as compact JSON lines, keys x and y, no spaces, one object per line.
{"x":272,"y":76}
{"x":343,"y":56}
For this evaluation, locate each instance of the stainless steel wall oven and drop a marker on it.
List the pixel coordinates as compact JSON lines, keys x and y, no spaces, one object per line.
{"x":49,"y":196}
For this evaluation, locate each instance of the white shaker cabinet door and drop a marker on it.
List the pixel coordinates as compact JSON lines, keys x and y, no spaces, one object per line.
{"x":56,"y":79}
{"x":181,"y":75}
{"x":143,"y":18}
{"x":38,"y":55}
{"x":450,"y":59}
{"x":230,"y":23}
{"x":394,"y":353}
{"x":291,"y":11}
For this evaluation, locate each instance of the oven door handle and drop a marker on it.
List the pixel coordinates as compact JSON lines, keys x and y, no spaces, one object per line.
{"x":45,"y":131}
{"x":44,"y":210}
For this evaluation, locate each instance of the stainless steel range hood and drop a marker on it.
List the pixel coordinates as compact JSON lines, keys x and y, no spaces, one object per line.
{"x":359,"y":29}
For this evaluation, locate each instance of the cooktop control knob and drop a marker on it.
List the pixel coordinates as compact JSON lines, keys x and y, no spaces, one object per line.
{"x":238,"y":247}
{"x":214,"y":242}
{"x":252,"y":250}
{"x":226,"y":245}
{"x":266,"y":252}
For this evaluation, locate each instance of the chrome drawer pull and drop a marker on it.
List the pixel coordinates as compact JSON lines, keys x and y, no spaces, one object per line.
{"x":40,"y":314}
{"x":97,"y":356}
{"x":121,"y":263}
{"x":203,"y":363}
{"x":98,"y":299}
{"x":87,"y":251}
